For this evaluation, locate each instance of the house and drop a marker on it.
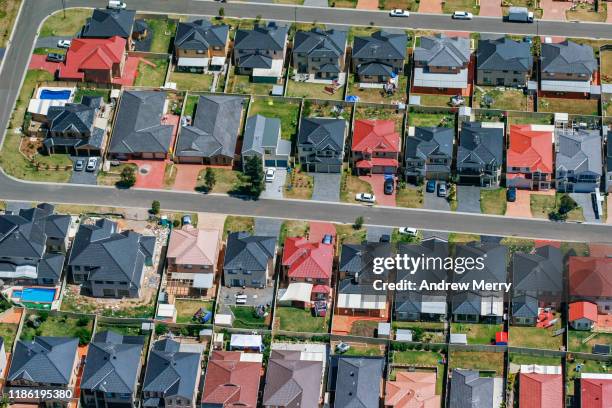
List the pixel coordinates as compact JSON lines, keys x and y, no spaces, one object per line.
{"x":320,"y":53}
{"x":172,"y":376}
{"x":578,"y":166}
{"x":376,"y":147}
{"x":428,"y":154}
{"x":567,"y":67}
{"x":469,"y":388}
{"x":200,"y":45}
{"x":110,"y":263}
{"x":320,"y":144}
{"x":211,"y":138}
{"x":140,"y":130}
{"x":483,"y":305}
{"x":232,"y":380}
{"x":537,"y":282}
{"x":590,"y":280}
{"x":355,"y":381}
{"x":356,"y":293}
{"x":249,"y":260}
{"x":609,"y":162}
{"x":262,"y":138}
{"x":71,"y":128}
{"x":44,"y":363}
{"x":107,"y":23}
{"x":260,"y":52}
{"x":480,"y":154}
{"x":538,"y":390}
{"x":595,"y":390}
{"x":293,"y":379}
{"x":529,"y":162}
{"x":112,"y":369}
{"x":94,"y":60}
{"x":415,"y":305}
{"x":412,"y":389}
{"x":503,"y":62}
{"x":380,"y":57}
{"x":192,"y":258}
{"x":33,"y":245}
{"x":442,"y":62}
{"x":582,"y":315}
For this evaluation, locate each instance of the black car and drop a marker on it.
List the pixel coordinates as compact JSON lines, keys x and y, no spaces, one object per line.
{"x":511,"y":194}
{"x":388,"y":187}
{"x":55,"y":57}
{"x":385,"y":238}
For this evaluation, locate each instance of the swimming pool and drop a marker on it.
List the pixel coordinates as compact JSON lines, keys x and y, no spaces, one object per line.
{"x":51,"y":94}
{"x":41,"y":295}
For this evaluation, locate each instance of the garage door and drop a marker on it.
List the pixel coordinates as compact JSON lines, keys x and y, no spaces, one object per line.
{"x":281,"y":163}
{"x":270,"y":163}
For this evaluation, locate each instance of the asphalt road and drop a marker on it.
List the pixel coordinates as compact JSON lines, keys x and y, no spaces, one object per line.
{"x":17,"y":59}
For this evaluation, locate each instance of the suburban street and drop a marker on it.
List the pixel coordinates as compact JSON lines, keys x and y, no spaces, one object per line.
{"x":18,"y":55}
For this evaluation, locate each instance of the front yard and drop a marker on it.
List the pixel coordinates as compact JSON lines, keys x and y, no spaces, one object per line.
{"x":606,"y":66}
{"x":351,"y":185}
{"x":411,"y":5}
{"x":477,"y":333}
{"x":237,"y":223}
{"x":293,"y":228}
{"x":67,"y":23}
{"x":571,"y":106}
{"x":542,"y":205}
{"x":287,"y":110}
{"x":493,"y":201}
{"x":482,"y":360}
{"x":507,"y":99}
{"x":298,"y":185}
{"x":191,"y":82}
{"x":409,"y":196}
{"x":442,"y":119}
{"x":300,"y":320}
{"x":586,"y":12}
{"x":347,"y":234}
{"x":226,"y":180}
{"x":152,"y":72}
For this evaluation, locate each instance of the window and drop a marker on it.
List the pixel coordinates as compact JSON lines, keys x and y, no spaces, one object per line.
{"x":200,"y":51}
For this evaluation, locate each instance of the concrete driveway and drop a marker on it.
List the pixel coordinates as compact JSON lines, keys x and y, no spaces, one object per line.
{"x":377,"y":181}
{"x":584,"y":201}
{"x":374,"y":232}
{"x":83,"y":176}
{"x":468,"y":199}
{"x":268,"y":227}
{"x":430,"y":6}
{"x":275,"y":188}
{"x":326,"y":187}
{"x":431,"y":201}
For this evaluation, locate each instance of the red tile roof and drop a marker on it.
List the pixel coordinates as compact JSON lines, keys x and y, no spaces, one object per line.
{"x":230,"y":381}
{"x":596,"y":392}
{"x":583,"y":310}
{"x":375,"y":135}
{"x":540,"y":390}
{"x":92,"y":54}
{"x":590,"y":276}
{"x":412,"y":390}
{"x":307,"y":259}
{"x":531,"y":147}
{"x":377,"y":161}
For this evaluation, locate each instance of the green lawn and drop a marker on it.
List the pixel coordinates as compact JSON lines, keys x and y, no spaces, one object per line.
{"x":328,"y":109}
{"x":524,"y":359}
{"x":450,"y":6}
{"x":293,"y":228}
{"x":8,"y":332}
{"x":517,"y":118}
{"x":311,"y":90}
{"x":576,"y":338}
{"x":493,"y":201}
{"x":351,"y":185}
{"x":587,"y":366}
{"x":226,"y":180}
{"x":94,"y":92}
{"x":364,"y":328}
{"x":8,"y":13}
{"x":477,"y":333}
{"x":153,"y":76}
{"x":481,"y":360}
{"x":186,"y":308}
{"x":191,"y":82}
{"x":236,"y":223}
{"x":424,"y":332}
{"x":301,"y":320}
{"x":508,"y":99}
{"x":364,"y":350}
{"x":45,"y":51}
{"x":286,"y":110}
{"x":542,"y":205}
{"x":56,"y":325}
{"x":431,"y":119}
{"x":162,"y":31}
{"x":571,"y":106}
{"x":65,"y":23}
{"x":241,"y":84}
{"x":536,"y":337}
{"x":434,"y":100}
{"x":245,"y":318}
{"x":411,"y":5}
{"x":457,"y":237}
{"x":348,"y":235}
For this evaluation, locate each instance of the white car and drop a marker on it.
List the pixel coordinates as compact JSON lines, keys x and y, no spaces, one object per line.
{"x":92,"y":164}
{"x":365,"y":197}
{"x":117,"y":5}
{"x":408,"y":231}
{"x":399,"y":13}
{"x":342,"y":347}
{"x":462,"y":15}
{"x":64,"y":43}
{"x":270,"y":173}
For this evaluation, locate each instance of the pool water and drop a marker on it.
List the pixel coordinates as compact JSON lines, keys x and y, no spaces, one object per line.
{"x":41,"y":295}
{"x":50,"y":94}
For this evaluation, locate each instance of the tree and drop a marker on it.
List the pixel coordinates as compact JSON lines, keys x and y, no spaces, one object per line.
{"x":221,"y":12}
{"x":209,"y":179}
{"x":128,"y":177}
{"x":161,"y":329}
{"x":83,"y":335}
{"x":155,"y":207}
{"x":358,"y":223}
{"x":253,"y":170}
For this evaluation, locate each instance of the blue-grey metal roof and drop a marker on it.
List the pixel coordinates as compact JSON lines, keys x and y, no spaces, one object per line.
{"x":200,"y":35}
{"x":578,"y":150}
{"x":320,"y":43}
{"x":380,"y":45}
{"x":105,"y":23}
{"x":504,"y":54}
{"x":443,"y":51}
{"x":45,"y":360}
{"x":248,"y":252}
{"x":375,"y":68}
{"x":430,"y":141}
{"x":524,"y":306}
{"x":269,"y":37}
{"x":568,"y":57}
{"x":356,"y":381}
{"x":469,"y":390}
{"x":322,"y":133}
{"x":541,"y":271}
{"x":260,"y":133}
{"x":480,"y":144}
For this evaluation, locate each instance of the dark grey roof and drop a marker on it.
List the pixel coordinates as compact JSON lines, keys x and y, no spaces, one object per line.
{"x":357,"y":260}
{"x":72,"y":118}
{"x":51,"y":266}
{"x":111,"y":255}
{"x":200,"y":35}
{"x":248,"y":252}
{"x":578,"y":150}
{"x":138,"y":127}
{"x":541,"y":271}
{"x":504,"y":54}
{"x":568,"y":57}
{"x":381,"y":45}
{"x":609,"y":151}
{"x":443,"y":51}
{"x":524,"y":306}
{"x":322,"y":133}
{"x":260,"y":133}
{"x":106,"y":23}
{"x":466,"y":303}
{"x":46,"y":360}
{"x":430,"y":141}
{"x":255,"y":60}
{"x":374,"y":68}
{"x":470,"y":390}
{"x":215,"y":128}
{"x":356,"y":381}
{"x":270,"y":37}
{"x":112,"y":363}
{"x":494,"y":258}
{"x":481,"y":145}
{"x":320,"y":43}
{"x":170,"y":371}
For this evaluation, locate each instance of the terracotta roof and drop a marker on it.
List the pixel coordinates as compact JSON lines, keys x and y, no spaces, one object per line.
{"x":377,"y":161}
{"x":583,"y":310}
{"x":375,"y":135}
{"x":412,"y":390}
{"x":321,"y":289}
{"x":192,"y":246}
{"x":92,"y":54}
{"x":595,"y":392}
{"x":229,"y":381}
{"x":590,"y":276}
{"x":540,"y":390}
{"x":531,"y":146}
{"x":601,"y":250}
{"x":308,"y":260}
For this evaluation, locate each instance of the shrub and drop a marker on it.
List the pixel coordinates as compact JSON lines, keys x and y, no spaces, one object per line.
{"x":128,"y":177}
{"x":155,"y":207}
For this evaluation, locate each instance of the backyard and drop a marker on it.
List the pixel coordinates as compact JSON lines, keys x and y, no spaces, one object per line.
{"x":67,"y":23}
{"x":365,"y":349}
{"x":312,"y":90}
{"x":378,"y":95}
{"x":477,"y":333}
{"x":186,"y":309}
{"x":292,"y":228}
{"x":329,"y":109}
{"x":241,"y":84}
{"x":482,"y":360}
{"x":8,"y":332}
{"x":298,"y":185}
{"x":162,"y":31}
{"x":287,"y":110}
{"x":526,"y":359}
{"x":495,"y":98}
{"x":493,"y":201}
{"x":426,"y":119}
{"x":571,"y":106}
{"x":152,"y":72}
{"x":425,"y":332}
{"x":518,"y":118}
{"x":191,"y":82}
{"x":577,"y":343}
{"x":381,"y":113}
{"x":434,"y":100}
{"x":576,"y":366}
{"x":237,"y":223}
{"x":536,"y":337}
{"x":301,"y":320}
{"x":46,"y":324}
{"x":245,"y":318}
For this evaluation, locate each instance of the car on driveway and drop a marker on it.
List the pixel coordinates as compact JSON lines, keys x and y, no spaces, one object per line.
{"x":79,"y":165}
{"x":408,"y":231}
{"x":511,"y":194}
{"x":64,"y":43}
{"x":399,"y":13}
{"x":365,"y":197}
{"x":55,"y":57}
{"x":462,"y":15}
{"x":442,"y":191}
{"x":388,"y":186}
{"x":92,"y":164}
{"x":430,"y":187}
{"x":270,"y":173}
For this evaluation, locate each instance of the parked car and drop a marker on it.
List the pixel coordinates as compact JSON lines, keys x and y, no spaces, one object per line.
{"x":270,"y":173}
{"x":79,"y":165}
{"x":342,"y":347}
{"x":430,"y":187}
{"x":64,"y":43}
{"x":328,"y":239}
{"x":92,"y":164}
{"x":399,"y":13}
{"x":462,"y":15}
{"x":385,"y":238}
{"x":408,"y":231}
{"x":365,"y":197}
{"x":115,"y":4}
{"x":55,"y":57}
{"x":511,"y":194}
{"x":442,"y":191}
{"x":388,"y":186}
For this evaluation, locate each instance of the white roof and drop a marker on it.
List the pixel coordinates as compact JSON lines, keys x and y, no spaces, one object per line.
{"x":218,"y":337}
{"x":246,"y":340}
{"x":566,"y":86}
{"x":431,"y":80}
{"x":596,"y":376}
{"x":217,"y":61}
{"x":191,"y":348}
{"x":203,"y":280}
{"x":308,"y":351}
{"x":358,"y":301}
{"x":275,"y":71}
{"x":606,"y":88}
{"x":540,"y":369}
{"x":298,"y":292}
{"x":251,"y":357}
{"x":192,"y":62}
{"x":41,"y":106}
{"x":458,"y":338}
{"x":223,"y":319}
{"x":384,"y":329}
{"x":403,"y":335}
{"x":166,"y":310}
{"x":435,"y":307}
{"x":23,"y":271}
{"x":491,"y":306}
